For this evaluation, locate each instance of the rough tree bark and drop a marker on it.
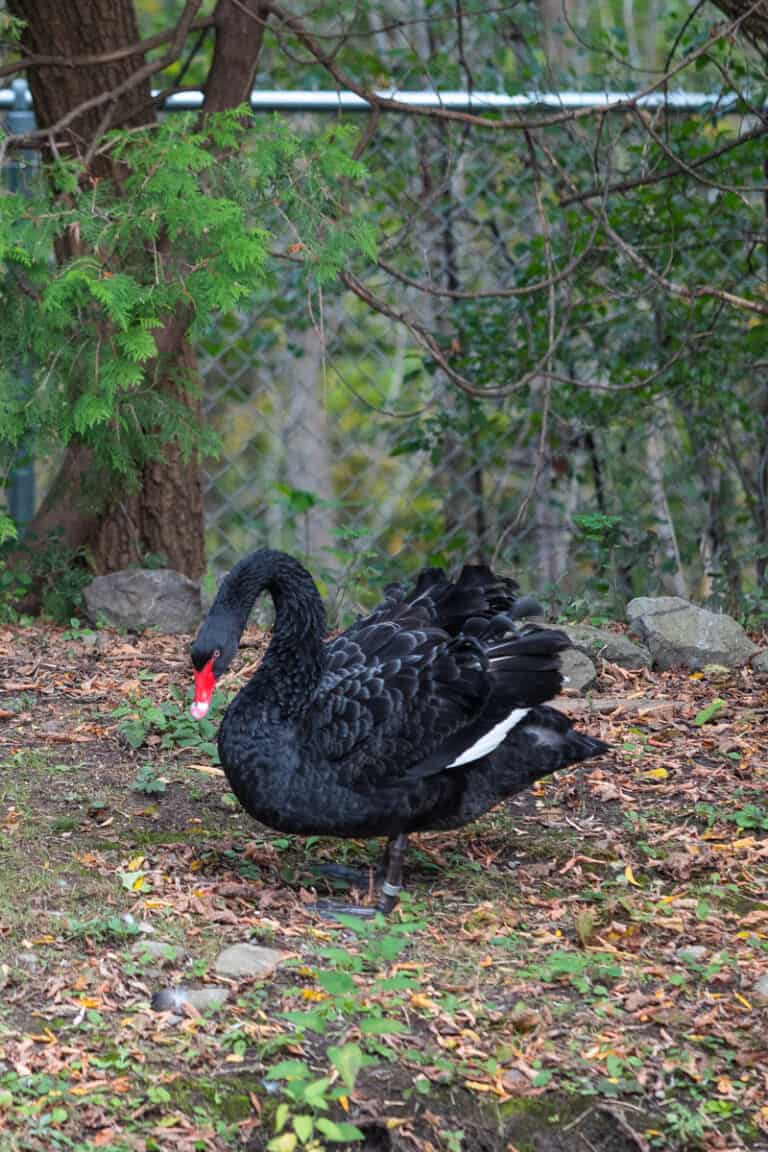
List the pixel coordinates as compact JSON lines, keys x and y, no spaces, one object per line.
{"x":754,"y":19}
{"x":306,"y":438}
{"x":673,"y":576}
{"x":165,"y":515}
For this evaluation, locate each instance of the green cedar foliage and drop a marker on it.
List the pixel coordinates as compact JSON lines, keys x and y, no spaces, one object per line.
{"x":179,"y":229}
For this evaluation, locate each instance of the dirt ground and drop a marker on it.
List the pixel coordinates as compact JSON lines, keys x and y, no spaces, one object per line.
{"x":583,"y":970}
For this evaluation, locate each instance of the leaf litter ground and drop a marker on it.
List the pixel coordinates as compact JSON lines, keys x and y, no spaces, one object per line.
{"x":584,"y":969}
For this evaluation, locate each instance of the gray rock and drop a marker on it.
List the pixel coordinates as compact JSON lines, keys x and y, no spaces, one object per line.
{"x":612,"y":646}
{"x":201,"y":999}
{"x":142,"y":925}
{"x":578,"y":670}
{"x":692,"y":953}
{"x":156,"y":951}
{"x":29,"y":960}
{"x":681,"y":634}
{"x":760,"y":661}
{"x":759,"y":990}
{"x":248,"y":960}
{"x":96,"y":641}
{"x":140,"y":598}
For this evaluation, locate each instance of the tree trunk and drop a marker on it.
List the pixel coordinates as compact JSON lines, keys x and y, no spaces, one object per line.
{"x":165,"y":515}
{"x":754,"y":19}
{"x":73,"y":28}
{"x":306,"y":440}
{"x":672,"y":574}
{"x":553,"y":526}
{"x":464,"y":504}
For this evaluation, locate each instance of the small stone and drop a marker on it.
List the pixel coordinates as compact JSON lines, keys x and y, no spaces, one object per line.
{"x":515,"y":1082}
{"x":155,"y":950}
{"x":176,"y":999}
{"x":228,"y":802}
{"x":28,"y":960}
{"x":759,"y":992}
{"x":578,"y":670}
{"x":95,"y":641}
{"x":760,"y":662}
{"x":692,"y":953}
{"x":243,"y":961}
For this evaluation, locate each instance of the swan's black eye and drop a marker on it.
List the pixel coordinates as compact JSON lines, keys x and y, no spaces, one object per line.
{"x":216,"y":653}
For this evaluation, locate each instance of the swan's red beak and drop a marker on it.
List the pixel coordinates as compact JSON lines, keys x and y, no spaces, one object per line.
{"x":205,"y":682}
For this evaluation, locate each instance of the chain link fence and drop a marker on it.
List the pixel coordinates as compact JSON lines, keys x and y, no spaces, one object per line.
{"x":341,"y":440}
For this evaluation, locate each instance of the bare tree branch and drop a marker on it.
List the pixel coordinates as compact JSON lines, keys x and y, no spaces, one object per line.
{"x":519,"y":123}
{"x":673,"y":287}
{"x":578,"y":197}
{"x":494,"y":293}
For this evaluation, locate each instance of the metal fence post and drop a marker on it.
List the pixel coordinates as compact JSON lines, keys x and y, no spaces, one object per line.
{"x":21,"y":488}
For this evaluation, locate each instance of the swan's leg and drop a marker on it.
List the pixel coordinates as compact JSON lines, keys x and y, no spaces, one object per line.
{"x":393,"y":880}
{"x":390,"y":888}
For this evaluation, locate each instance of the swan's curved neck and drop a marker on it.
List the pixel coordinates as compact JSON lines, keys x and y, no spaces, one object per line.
{"x":294,"y":660}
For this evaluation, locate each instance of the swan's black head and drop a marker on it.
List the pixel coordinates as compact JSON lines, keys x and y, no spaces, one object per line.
{"x":212,"y":653}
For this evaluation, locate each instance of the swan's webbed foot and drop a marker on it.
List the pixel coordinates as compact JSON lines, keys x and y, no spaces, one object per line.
{"x":332,"y":909}
{"x":355,"y":877}
{"x":389,"y":892}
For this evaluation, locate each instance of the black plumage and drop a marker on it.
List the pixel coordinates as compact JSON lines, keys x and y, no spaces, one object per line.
{"x":424,"y":715}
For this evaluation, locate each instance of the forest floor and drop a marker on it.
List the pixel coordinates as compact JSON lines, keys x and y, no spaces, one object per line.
{"x":583,"y":970}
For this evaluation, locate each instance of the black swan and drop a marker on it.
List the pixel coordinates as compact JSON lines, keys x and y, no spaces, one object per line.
{"x":422,"y":716}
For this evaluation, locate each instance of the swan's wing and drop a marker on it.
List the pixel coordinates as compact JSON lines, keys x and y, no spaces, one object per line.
{"x":406,"y":606}
{"x":389,"y":695}
{"x":437,"y":602}
{"x":397,"y":704}
{"x":524,"y":668}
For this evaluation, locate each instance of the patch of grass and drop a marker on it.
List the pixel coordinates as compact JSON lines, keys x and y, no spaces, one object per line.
{"x":171,"y":721}
{"x":148,"y":781}
{"x":749,"y":817}
{"x":101,"y":928}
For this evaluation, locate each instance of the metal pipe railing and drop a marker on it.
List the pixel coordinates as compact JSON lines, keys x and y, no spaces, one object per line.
{"x":341,"y":101}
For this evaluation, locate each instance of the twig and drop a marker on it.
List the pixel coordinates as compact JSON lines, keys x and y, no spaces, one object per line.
{"x":665,"y":173}
{"x":497,"y":293}
{"x":296,"y":26}
{"x":626,"y":1128}
{"x":582,"y":1116}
